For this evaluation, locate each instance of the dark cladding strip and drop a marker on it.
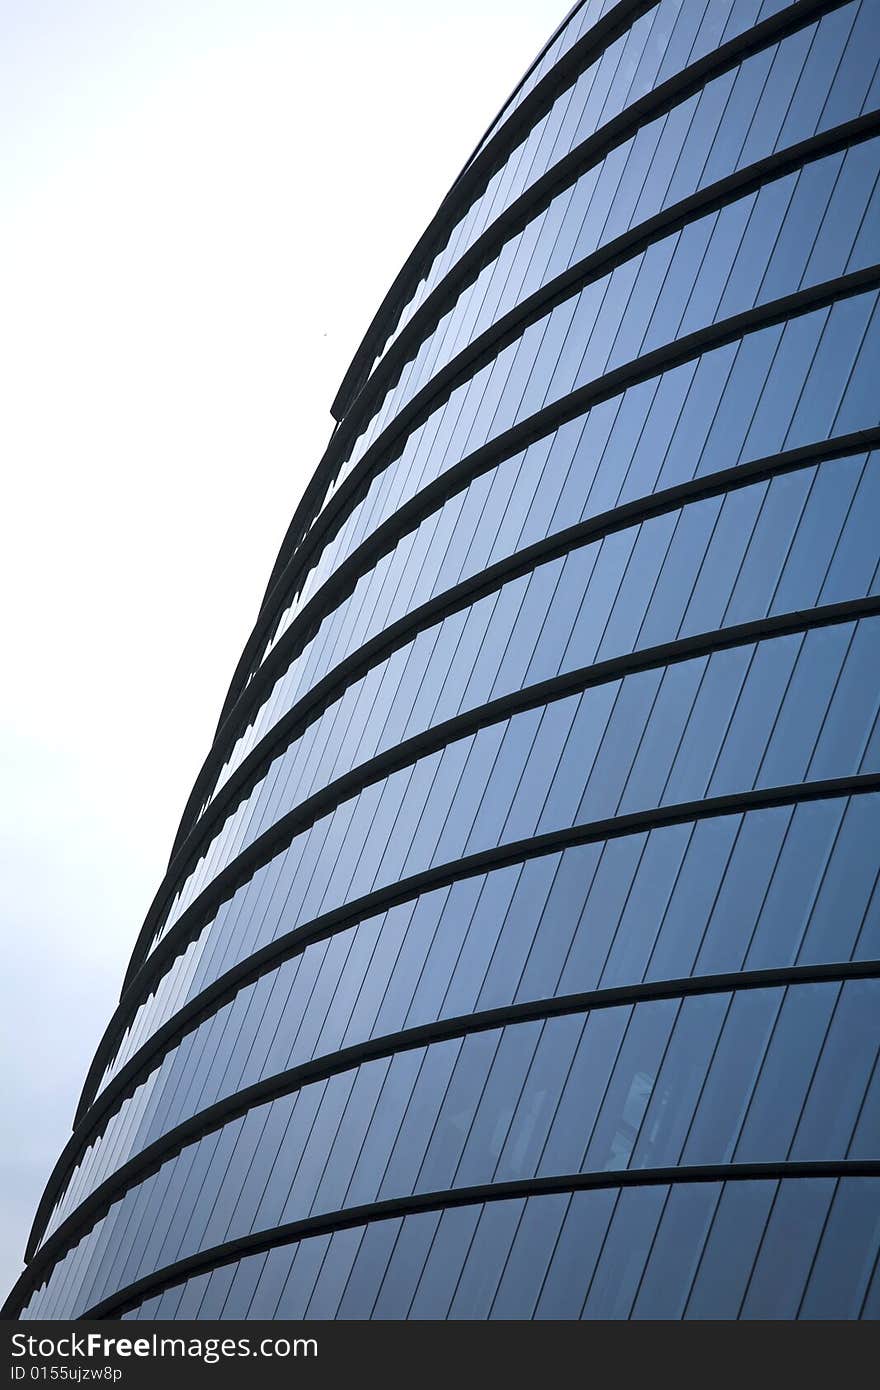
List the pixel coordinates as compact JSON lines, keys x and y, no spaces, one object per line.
{"x":90,"y":1120}
{"x":283,"y":830}
{"x":789,"y":21}
{"x":467,"y":1196}
{"x":594,"y":393}
{"x":214,"y":1117}
{"x":338,"y":584}
{"x":326,"y":691}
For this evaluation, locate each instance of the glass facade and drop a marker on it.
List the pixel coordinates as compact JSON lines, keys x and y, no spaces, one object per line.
{"x":519,"y":953}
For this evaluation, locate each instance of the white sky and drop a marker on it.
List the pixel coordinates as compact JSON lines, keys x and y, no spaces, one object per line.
{"x":202,"y":203}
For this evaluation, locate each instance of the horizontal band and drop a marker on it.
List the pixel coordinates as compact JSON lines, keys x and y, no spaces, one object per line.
{"x":408,"y":751}
{"x":404,"y":890}
{"x":259,"y":1241}
{"x":378,"y":768}
{"x":324,"y":692}
{"x":214,"y":1117}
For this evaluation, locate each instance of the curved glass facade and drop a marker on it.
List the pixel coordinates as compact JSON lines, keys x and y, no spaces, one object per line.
{"x":519,"y":953}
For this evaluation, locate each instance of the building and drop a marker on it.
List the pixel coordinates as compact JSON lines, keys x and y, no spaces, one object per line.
{"x":518,"y":953}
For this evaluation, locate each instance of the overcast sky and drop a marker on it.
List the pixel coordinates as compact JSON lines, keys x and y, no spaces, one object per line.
{"x":202,"y":203}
